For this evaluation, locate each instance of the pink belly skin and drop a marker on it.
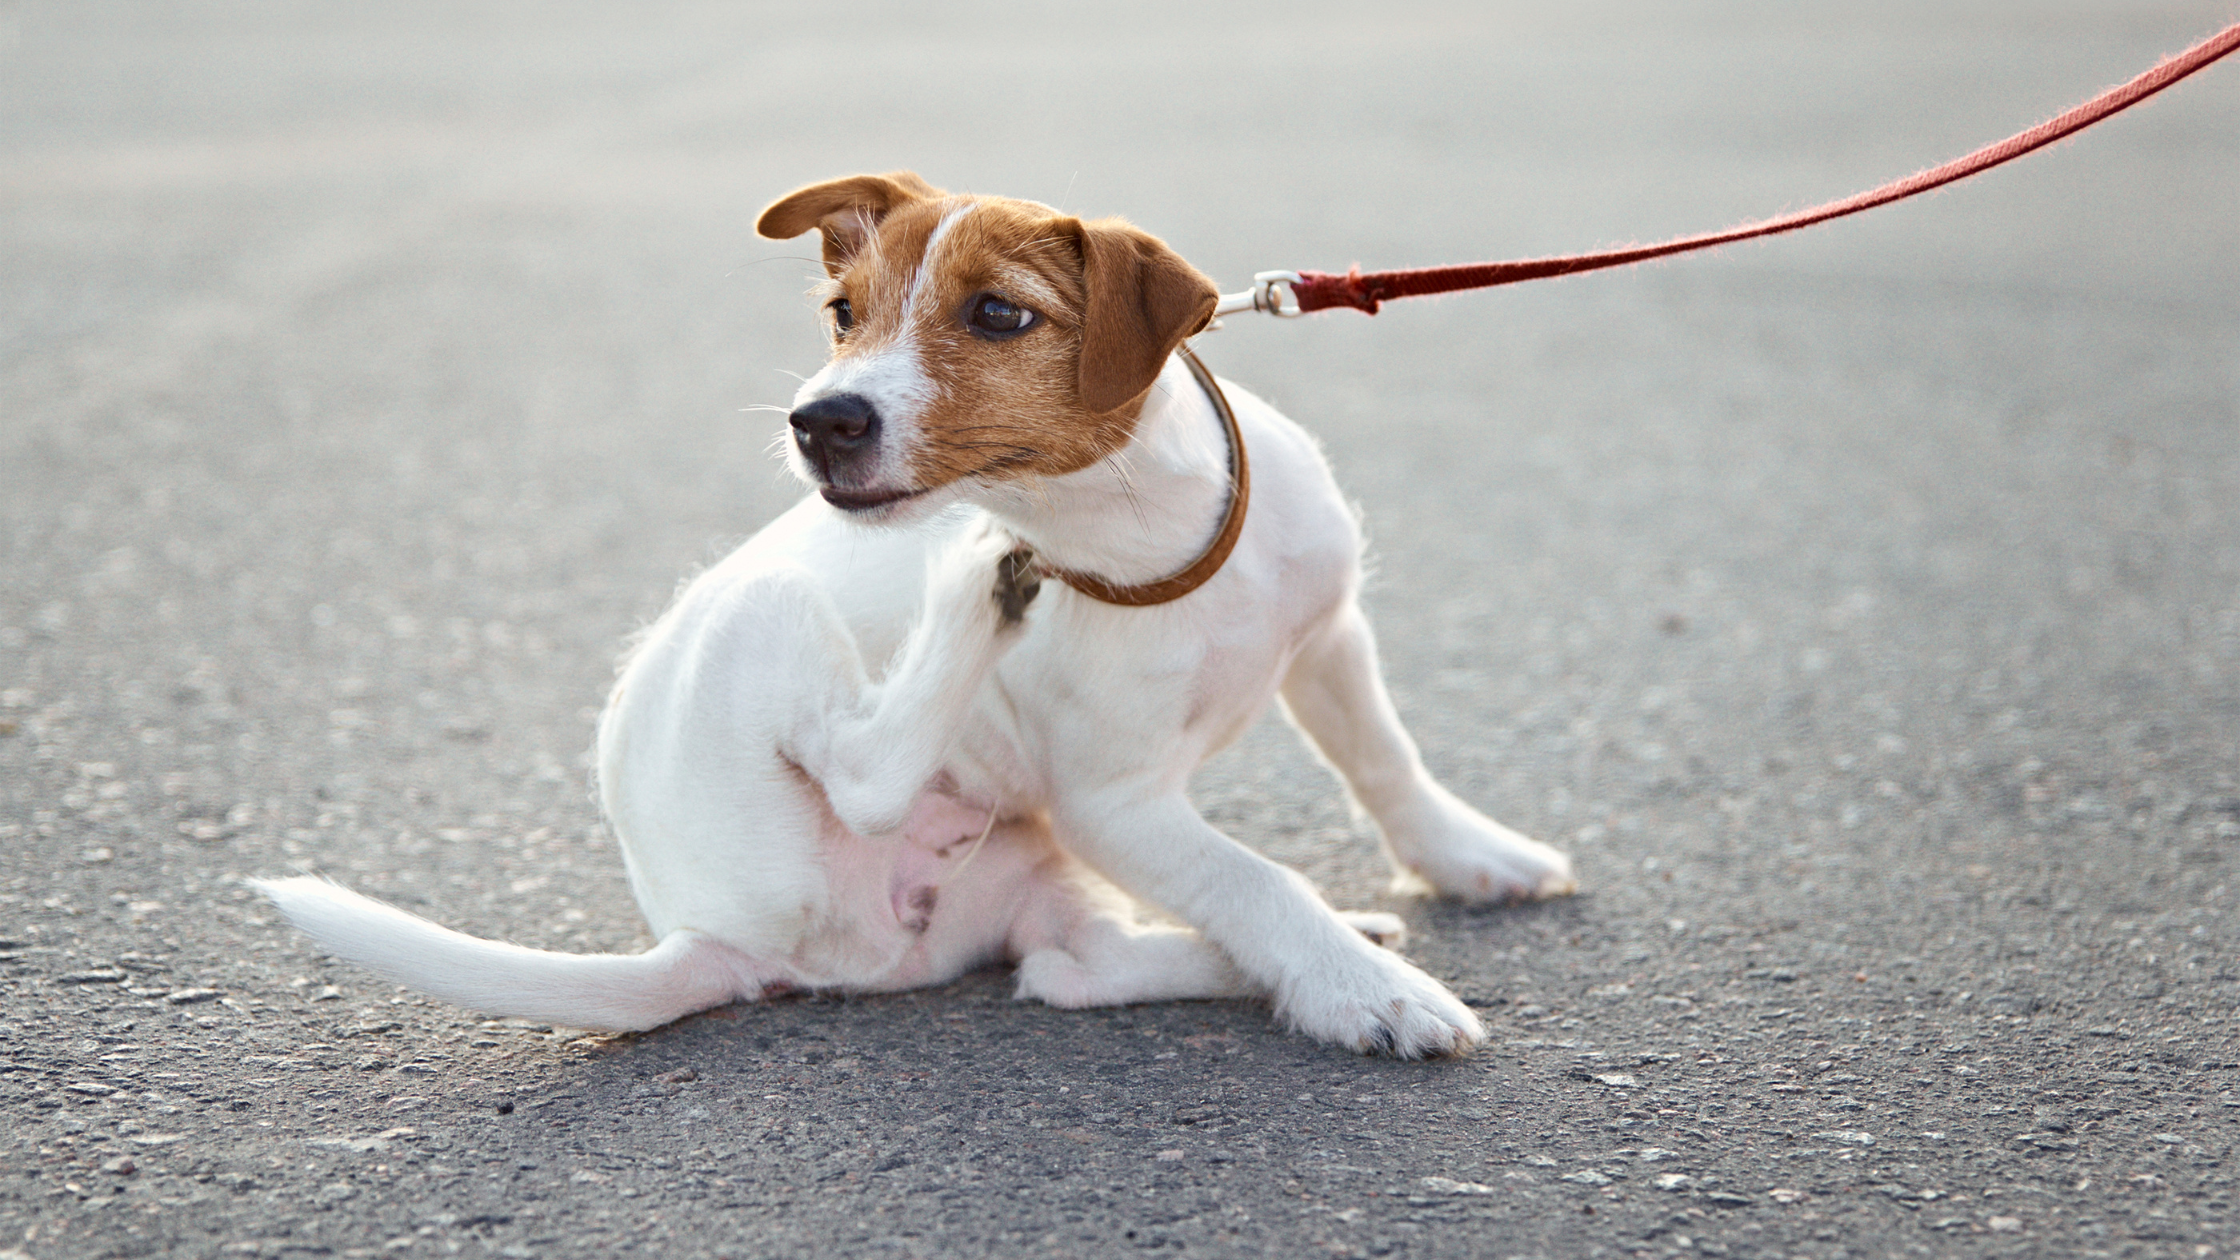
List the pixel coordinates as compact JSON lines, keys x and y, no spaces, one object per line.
{"x":940,"y":831}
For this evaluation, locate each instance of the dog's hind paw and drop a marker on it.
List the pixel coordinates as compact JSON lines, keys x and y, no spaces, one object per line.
{"x":1057,"y":978}
{"x":982,"y":570}
{"x":1017,"y":583}
{"x":1384,"y":929}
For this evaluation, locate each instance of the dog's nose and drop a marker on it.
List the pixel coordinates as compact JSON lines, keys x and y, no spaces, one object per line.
{"x":834,"y":427}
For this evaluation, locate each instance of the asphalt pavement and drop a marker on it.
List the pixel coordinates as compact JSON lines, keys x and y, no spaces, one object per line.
{"x":1861,"y":609}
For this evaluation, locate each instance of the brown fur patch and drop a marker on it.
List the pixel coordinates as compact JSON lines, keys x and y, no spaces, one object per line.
{"x":1111,"y":303}
{"x":845,"y":211}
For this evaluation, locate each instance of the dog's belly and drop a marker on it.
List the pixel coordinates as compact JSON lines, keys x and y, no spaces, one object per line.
{"x":826,"y":908}
{"x":920,"y":907}
{"x":924,"y":905}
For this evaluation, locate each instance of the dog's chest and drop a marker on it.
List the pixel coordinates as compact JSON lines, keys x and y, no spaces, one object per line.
{"x":1096,"y":693}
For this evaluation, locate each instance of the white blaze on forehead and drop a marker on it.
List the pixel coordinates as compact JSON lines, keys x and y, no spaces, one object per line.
{"x":890,"y":373}
{"x":892,"y":377}
{"x":923,"y":280}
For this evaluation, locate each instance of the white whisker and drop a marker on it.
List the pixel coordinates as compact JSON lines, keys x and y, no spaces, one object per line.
{"x":1122,"y":470}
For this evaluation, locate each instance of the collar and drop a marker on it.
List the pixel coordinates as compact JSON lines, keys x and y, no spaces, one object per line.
{"x":1189,"y":578}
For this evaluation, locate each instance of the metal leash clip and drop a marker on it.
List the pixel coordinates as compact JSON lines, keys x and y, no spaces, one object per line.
{"x":1270,"y":292}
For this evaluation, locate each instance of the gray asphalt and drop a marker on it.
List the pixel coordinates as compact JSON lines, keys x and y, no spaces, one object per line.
{"x":1861,"y":609}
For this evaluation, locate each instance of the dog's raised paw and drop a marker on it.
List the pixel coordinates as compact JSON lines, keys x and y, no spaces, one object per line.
{"x":1017,"y":583}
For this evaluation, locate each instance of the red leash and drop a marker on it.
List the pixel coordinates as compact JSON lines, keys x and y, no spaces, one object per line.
{"x":1319,"y":290}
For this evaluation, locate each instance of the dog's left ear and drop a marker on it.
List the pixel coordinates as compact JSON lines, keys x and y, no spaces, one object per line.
{"x":1143,"y":300}
{"x":844,"y":210}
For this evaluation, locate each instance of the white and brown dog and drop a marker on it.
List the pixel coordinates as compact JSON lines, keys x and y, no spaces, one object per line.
{"x":1005,"y":403}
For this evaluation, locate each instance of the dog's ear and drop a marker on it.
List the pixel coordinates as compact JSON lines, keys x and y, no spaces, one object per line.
{"x":1143,"y":300}
{"x":844,"y":210}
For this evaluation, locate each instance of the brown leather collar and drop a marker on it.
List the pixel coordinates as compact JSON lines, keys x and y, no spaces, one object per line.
{"x":1178,"y":584}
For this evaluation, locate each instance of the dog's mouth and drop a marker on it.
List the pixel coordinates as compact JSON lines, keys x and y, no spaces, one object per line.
{"x":862,"y":501}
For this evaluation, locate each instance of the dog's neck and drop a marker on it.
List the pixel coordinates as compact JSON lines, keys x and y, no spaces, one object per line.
{"x":1141,"y":513}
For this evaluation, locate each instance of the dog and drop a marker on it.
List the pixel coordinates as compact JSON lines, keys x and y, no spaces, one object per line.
{"x":1015,"y":476}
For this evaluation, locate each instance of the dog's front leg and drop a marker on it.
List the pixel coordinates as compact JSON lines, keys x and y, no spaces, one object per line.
{"x":1335,"y":693}
{"x":1328,"y":980}
{"x":875,"y":748}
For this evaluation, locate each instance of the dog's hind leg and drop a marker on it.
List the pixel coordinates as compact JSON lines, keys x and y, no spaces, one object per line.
{"x":1079,"y":946}
{"x":1379,"y":926}
{"x":1114,"y":963}
{"x":873,"y":747}
{"x":1335,"y":693}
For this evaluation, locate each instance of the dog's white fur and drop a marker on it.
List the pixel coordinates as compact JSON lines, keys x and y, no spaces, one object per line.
{"x":791,"y":820}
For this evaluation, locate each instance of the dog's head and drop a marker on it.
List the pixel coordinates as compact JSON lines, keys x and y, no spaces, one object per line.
{"x":974,"y":339}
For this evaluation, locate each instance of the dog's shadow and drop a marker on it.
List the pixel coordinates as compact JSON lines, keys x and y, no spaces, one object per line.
{"x":806,"y":1040}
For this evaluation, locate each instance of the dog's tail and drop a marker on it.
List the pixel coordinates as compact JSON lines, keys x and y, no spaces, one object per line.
{"x":686,"y":972}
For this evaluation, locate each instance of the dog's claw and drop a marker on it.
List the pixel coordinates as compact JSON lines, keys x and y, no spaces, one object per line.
{"x":1382,"y":1040}
{"x":1017,"y":582}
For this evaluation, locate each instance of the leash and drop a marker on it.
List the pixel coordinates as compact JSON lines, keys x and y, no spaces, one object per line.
{"x":1290,"y":293}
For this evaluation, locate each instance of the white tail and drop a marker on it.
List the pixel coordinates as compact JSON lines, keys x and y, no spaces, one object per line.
{"x":686,"y":972}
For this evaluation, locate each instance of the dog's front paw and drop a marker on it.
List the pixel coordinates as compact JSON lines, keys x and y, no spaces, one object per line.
{"x":1017,"y":583}
{"x":1384,"y":1006}
{"x":1463,"y":854}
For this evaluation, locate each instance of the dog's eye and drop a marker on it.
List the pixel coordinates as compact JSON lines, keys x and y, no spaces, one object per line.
{"x":843,"y":315}
{"x":999,"y":316}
